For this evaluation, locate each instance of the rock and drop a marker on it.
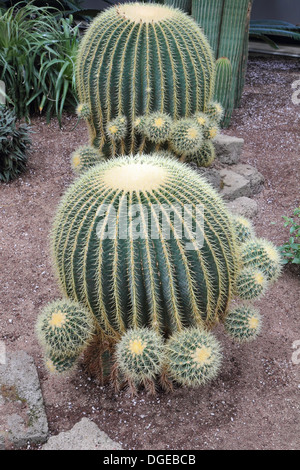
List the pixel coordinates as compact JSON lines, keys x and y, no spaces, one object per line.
{"x":211,"y":175}
{"x":243,"y":206}
{"x":233,"y":185}
{"x":23,"y":419}
{"x":256,"y":179}
{"x":85,"y":435}
{"x":228,"y":149}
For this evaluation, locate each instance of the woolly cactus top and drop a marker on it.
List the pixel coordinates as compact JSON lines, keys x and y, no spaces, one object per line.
{"x":144,"y":13}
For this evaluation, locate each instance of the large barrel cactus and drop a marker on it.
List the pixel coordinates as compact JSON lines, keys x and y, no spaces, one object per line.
{"x":144,"y":277}
{"x":137,"y":60}
{"x":146,"y":247}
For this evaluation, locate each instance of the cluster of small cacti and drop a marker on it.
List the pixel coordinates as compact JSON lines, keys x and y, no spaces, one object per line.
{"x":261,"y":266}
{"x":145,"y":249}
{"x":188,"y":139}
{"x":226,"y":25}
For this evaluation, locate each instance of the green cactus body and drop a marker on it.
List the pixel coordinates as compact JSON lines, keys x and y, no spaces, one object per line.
{"x":223,"y":88}
{"x":157,"y":127}
{"x":243,"y":323}
{"x":193,"y":356}
{"x":162,"y":280}
{"x":226,"y":24}
{"x":251,"y":283}
{"x":60,"y":364}
{"x":140,"y":354}
{"x":263,"y":255}
{"x":184,"y":5}
{"x":136,"y":59}
{"x":208,"y":14}
{"x":244,"y":228}
{"x":203,"y":157}
{"x":64,"y":328}
{"x":244,"y":60}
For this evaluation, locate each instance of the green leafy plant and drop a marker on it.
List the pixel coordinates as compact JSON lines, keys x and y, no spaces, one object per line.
{"x":291,"y":249}
{"x":14,"y":145}
{"x":37,"y":53}
{"x":268,"y":30}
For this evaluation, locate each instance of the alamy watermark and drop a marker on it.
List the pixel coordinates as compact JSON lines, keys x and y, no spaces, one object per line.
{"x":2,"y":353}
{"x":296,"y":94}
{"x":2,"y":92}
{"x":296,"y":354}
{"x":155,"y":221}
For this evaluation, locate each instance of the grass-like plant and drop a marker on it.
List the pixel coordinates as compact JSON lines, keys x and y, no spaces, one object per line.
{"x":37,"y":53}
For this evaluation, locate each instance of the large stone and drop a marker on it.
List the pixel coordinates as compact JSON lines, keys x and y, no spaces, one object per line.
{"x":244,"y":206}
{"x":249,"y":172}
{"x":85,"y":435}
{"x":228,"y":149}
{"x":22,"y":419}
{"x":233,"y":185}
{"x":211,"y":175}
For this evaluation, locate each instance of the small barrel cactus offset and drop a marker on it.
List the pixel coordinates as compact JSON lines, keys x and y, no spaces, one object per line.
{"x":244,"y":228}
{"x":193,"y":356}
{"x":84,"y":158}
{"x":262,"y":254}
{"x":186,"y":137}
{"x":203,"y":157}
{"x":140,"y":61}
{"x":147,"y":247}
{"x":60,"y":364}
{"x":243,"y":323}
{"x":140,"y":355}
{"x":64,"y":329}
{"x":157,"y":127}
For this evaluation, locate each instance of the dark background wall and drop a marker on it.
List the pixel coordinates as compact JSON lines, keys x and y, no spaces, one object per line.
{"x":286,"y":10}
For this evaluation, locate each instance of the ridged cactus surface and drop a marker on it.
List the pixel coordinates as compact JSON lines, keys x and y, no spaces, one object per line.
{"x":138,"y":58}
{"x":184,"y":5}
{"x":226,"y":24}
{"x":160,"y":279}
